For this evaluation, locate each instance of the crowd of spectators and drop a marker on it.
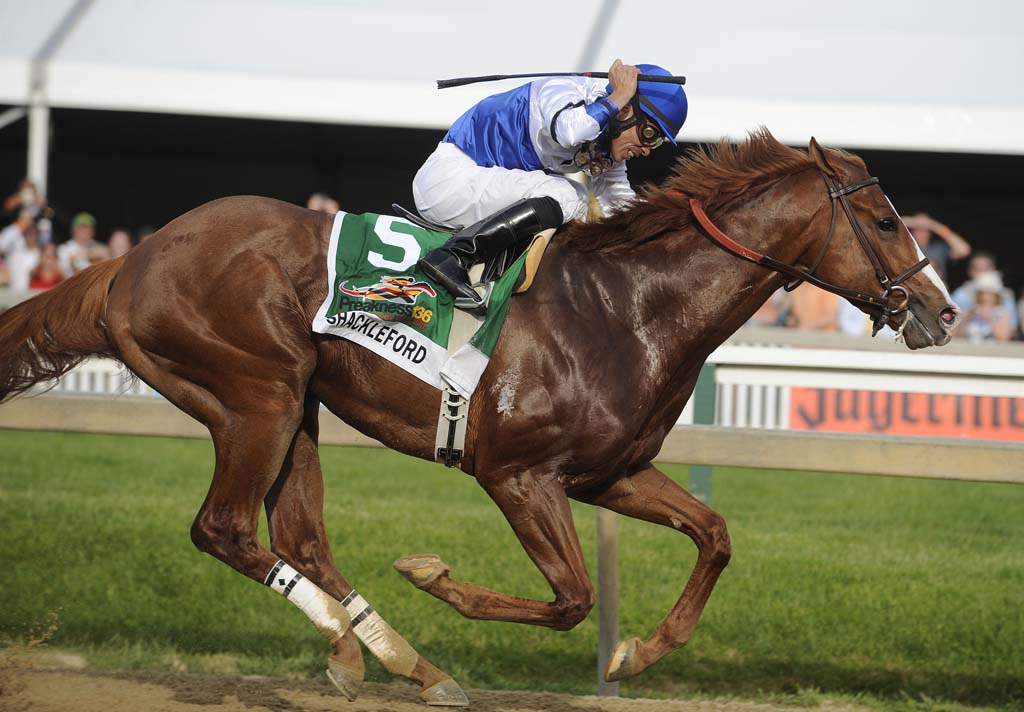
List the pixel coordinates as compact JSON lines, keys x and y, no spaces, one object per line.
{"x":40,"y":246}
{"x":323,"y":203}
{"x":36,"y":253}
{"x":989,"y":310}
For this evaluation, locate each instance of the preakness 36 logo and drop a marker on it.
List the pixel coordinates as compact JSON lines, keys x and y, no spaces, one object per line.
{"x":402,"y":289}
{"x":393,"y":298}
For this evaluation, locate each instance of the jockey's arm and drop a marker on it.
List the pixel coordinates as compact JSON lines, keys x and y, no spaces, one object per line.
{"x":573,"y":116}
{"x":571,"y":120}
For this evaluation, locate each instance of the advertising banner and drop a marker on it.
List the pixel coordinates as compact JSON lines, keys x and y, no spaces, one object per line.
{"x":928,"y":414}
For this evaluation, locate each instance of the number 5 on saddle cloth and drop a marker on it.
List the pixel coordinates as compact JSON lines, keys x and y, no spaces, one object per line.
{"x":379,"y":298}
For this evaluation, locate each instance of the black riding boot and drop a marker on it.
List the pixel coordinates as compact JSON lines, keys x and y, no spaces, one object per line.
{"x":508,"y":230}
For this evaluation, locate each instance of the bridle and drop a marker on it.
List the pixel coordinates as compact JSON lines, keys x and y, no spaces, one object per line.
{"x":881,"y":306}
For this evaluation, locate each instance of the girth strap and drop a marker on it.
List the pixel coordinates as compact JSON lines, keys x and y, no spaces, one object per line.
{"x":450,"y":441}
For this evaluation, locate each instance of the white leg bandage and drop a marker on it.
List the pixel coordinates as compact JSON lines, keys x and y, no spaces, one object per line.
{"x":329,"y":616}
{"x":394,"y":653}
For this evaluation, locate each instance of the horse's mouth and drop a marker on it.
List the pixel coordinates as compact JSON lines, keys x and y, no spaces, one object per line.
{"x":921,"y":327}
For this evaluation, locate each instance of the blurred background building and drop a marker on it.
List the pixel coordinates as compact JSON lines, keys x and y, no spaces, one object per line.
{"x":138,"y":110}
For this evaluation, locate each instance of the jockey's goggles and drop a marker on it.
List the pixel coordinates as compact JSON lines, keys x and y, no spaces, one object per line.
{"x":649,"y":132}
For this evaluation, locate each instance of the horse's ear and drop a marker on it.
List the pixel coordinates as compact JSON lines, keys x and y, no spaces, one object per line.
{"x":818,"y":156}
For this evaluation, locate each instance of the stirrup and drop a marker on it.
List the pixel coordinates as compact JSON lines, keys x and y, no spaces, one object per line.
{"x":453,"y":285}
{"x":477,"y":307}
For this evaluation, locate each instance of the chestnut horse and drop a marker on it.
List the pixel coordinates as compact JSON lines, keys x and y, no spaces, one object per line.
{"x":592,"y":371}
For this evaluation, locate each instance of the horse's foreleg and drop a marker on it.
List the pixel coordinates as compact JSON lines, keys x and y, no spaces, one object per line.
{"x":537,"y":508}
{"x":650,"y":495}
{"x":295,"y":515}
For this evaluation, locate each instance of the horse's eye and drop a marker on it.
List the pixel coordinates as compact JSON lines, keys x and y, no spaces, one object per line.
{"x":886,"y":224}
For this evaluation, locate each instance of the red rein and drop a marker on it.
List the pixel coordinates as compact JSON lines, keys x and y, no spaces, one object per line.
{"x":715,"y":233}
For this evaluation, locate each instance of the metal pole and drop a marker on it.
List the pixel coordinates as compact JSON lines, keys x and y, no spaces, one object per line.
{"x":39,"y":108}
{"x":703,"y":414}
{"x":595,"y":40}
{"x":607,"y":597}
{"x":38,"y":141}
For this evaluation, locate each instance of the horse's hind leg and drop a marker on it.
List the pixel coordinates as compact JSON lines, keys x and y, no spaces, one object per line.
{"x":252,"y":433}
{"x":651,"y":496}
{"x":295,"y":515}
{"x":294,"y":507}
{"x":242,"y":370}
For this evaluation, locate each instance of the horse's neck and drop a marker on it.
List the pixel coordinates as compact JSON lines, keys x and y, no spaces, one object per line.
{"x":699,"y":294}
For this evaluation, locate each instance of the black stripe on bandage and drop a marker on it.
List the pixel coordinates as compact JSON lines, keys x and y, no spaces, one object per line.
{"x":349,"y":598}
{"x":356,"y":620}
{"x":291,"y":585}
{"x":273,"y":572}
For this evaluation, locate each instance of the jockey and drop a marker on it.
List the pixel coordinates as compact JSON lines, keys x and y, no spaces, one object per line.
{"x":502,"y":167}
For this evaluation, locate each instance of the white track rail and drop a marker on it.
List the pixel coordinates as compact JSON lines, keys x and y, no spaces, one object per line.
{"x":753,"y":382}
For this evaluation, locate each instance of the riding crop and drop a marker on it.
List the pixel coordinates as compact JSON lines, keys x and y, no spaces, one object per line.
{"x":446,"y":83}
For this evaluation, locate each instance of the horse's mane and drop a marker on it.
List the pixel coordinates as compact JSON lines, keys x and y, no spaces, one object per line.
{"x":713,"y":174}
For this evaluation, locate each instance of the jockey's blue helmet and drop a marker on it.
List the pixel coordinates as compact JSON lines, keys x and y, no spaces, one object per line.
{"x":665,"y":103}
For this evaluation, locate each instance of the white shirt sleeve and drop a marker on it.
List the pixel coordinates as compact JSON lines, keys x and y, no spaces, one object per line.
{"x":562,"y":105}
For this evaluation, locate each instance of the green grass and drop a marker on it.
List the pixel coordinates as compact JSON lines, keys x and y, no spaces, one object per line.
{"x":890,"y":593}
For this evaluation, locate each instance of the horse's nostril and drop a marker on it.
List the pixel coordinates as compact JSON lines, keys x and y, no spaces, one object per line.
{"x":948,"y":316}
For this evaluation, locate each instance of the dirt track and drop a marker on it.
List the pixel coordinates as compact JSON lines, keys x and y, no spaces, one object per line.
{"x":66,"y":691}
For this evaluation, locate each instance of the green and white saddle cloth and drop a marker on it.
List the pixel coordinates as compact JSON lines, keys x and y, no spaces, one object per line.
{"x":378,"y":298}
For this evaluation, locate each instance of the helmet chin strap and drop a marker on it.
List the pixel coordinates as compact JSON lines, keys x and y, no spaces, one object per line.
{"x":594,"y":157}
{"x":617,"y":127}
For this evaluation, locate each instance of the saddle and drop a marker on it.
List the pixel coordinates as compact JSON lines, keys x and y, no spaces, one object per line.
{"x":483,"y":275}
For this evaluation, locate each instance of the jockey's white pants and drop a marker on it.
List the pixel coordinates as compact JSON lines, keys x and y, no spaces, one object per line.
{"x":450,"y":188}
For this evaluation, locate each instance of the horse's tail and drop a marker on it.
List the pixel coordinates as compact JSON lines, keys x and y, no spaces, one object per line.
{"x":43,"y":338}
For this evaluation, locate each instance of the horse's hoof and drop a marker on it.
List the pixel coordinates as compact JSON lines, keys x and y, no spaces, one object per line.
{"x":446,"y":693}
{"x":623,"y":662}
{"x":348,"y":680}
{"x":421,"y":569}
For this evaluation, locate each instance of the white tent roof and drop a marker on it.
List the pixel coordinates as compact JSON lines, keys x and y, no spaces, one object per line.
{"x":901,"y":74}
